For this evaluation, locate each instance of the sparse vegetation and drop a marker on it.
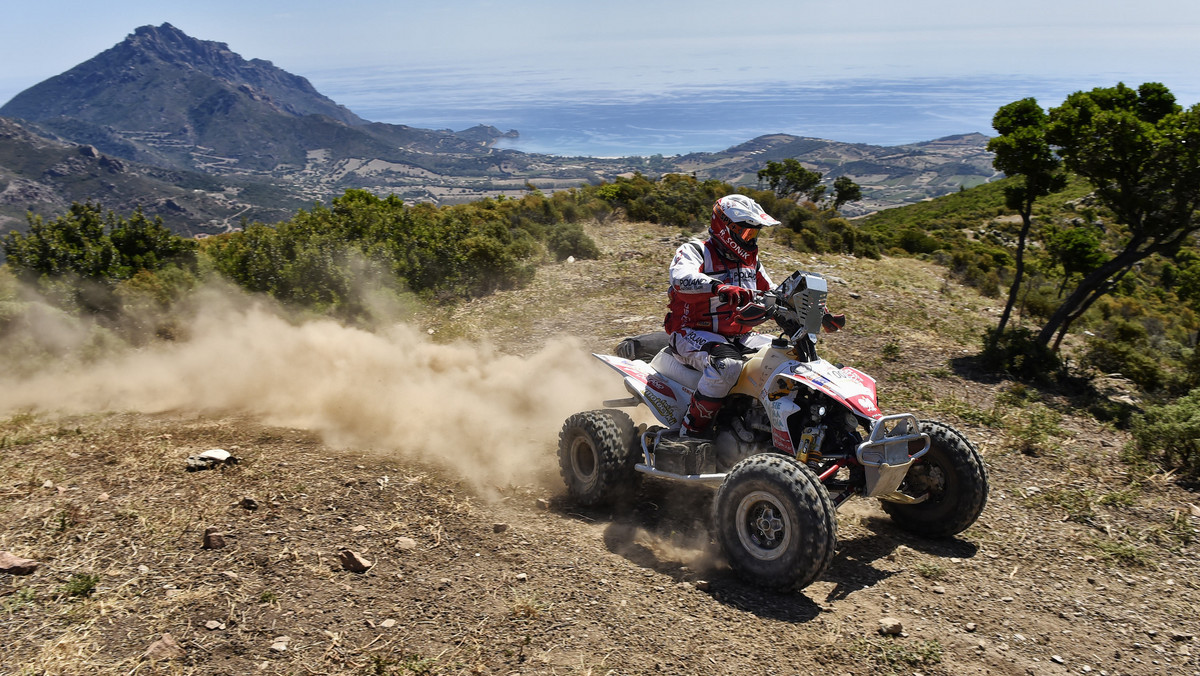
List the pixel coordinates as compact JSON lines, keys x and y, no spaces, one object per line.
{"x":592,"y":595}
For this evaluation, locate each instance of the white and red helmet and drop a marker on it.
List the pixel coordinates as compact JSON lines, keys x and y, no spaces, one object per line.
{"x":734,"y":228}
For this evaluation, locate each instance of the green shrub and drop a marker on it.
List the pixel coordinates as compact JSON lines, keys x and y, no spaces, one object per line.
{"x":1018,"y":353}
{"x":1169,"y":435}
{"x":569,"y":239}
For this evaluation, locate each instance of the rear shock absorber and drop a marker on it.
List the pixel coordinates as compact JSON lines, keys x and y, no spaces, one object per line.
{"x":812,"y":437}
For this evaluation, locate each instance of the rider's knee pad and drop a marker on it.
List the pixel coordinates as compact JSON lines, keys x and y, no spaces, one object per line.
{"x":720,"y":376}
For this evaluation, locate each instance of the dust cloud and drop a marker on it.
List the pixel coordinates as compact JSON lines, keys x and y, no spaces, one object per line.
{"x":489,"y":417}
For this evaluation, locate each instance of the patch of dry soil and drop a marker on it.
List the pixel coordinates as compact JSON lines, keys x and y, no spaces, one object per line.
{"x":1070,"y":569}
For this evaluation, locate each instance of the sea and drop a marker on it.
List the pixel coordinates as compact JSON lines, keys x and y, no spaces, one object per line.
{"x":557,"y":116}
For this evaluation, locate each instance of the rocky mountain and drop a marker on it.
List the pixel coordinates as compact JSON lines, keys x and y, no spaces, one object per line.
{"x":189,"y":108}
{"x":44,"y":175}
{"x":163,"y":97}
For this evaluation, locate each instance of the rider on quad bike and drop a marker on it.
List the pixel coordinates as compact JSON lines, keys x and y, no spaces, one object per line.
{"x":710,"y":282}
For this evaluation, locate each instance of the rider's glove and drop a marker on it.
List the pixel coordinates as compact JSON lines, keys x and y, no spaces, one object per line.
{"x":734,"y":294}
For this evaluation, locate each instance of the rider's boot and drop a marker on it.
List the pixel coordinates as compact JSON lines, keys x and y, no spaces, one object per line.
{"x":692,"y":451}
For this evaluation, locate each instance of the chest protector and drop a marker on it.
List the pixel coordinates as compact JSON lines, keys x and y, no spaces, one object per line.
{"x":700,"y":308}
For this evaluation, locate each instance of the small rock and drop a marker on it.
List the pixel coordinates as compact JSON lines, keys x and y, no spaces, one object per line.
{"x":406,"y":544}
{"x":890,"y":626}
{"x":280,"y":644}
{"x":1007,"y":599}
{"x":543,"y":503}
{"x":971,"y":627}
{"x":358,"y":529}
{"x":216,"y":457}
{"x":703,"y":585}
{"x":1181,"y":636}
{"x":522,"y":577}
{"x":353,"y":561}
{"x":388,"y":624}
{"x":144,"y":569}
{"x":1057,"y":659}
{"x":103,"y":497}
{"x":48,"y":484}
{"x":213,"y":625}
{"x":499,"y":527}
{"x":213,"y":538}
{"x":939,"y":589}
{"x":14,"y":565}
{"x":248,"y":503}
{"x":165,"y":648}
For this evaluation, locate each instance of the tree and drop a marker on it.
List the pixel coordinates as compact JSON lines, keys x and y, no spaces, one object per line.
{"x":845,"y":190}
{"x":789,"y":180}
{"x":74,"y":243}
{"x":1077,"y":250}
{"x":1141,"y":153}
{"x":141,"y":244}
{"x":1023,"y":152}
{"x":87,"y":243}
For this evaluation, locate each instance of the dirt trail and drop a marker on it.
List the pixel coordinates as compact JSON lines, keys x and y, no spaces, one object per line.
{"x":1069,"y":570}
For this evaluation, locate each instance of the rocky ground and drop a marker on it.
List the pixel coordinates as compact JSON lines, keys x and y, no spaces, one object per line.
{"x":325,"y":552}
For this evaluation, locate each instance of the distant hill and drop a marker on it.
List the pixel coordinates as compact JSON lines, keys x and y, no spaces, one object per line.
{"x":44,"y":175}
{"x":190,"y":108}
{"x":889,"y":175}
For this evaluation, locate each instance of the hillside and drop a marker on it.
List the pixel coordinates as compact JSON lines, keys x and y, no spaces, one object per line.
{"x":430,"y":453}
{"x":889,"y":175}
{"x":44,"y":176}
{"x":162,"y":98}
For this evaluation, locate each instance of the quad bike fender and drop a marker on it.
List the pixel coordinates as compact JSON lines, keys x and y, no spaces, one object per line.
{"x":774,"y":374}
{"x":666,"y":398}
{"x":848,"y":386}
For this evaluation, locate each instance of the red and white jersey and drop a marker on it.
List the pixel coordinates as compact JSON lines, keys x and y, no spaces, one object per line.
{"x":695,"y":272}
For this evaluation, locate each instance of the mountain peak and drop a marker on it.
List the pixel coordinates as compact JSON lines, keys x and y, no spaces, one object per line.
{"x":109,"y":89}
{"x":172,"y":45}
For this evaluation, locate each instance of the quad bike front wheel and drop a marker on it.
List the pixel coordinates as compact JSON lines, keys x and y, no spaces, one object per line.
{"x":596,"y":455}
{"x":775,"y":521}
{"x":953,"y":480}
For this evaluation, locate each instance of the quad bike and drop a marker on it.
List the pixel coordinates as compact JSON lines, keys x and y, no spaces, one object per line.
{"x":796,"y":438}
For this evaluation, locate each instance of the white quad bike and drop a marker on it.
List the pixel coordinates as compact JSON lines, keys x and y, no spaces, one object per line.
{"x":796,"y":438}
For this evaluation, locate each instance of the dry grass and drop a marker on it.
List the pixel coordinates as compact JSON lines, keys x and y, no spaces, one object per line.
{"x":104,"y":502}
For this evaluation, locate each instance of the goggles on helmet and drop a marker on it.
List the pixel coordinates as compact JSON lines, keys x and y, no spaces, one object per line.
{"x":744,"y":231}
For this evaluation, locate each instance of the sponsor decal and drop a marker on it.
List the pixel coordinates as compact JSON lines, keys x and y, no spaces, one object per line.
{"x":628,"y":370}
{"x":782,"y":440}
{"x":738,"y":250}
{"x":655,"y":383}
{"x":665,"y":410}
{"x":849,"y":375}
{"x":865,"y":404}
{"x":693,"y":285}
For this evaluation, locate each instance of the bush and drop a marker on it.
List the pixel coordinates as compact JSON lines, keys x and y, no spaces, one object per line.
{"x":1018,"y":353}
{"x":1169,"y":435}
{"x":1130,"y":359}
{"x":569,"y":239}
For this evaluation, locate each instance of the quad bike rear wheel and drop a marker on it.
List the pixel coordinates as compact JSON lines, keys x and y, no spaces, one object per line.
{"x":775,"y":522}
{"x":954,"y":478}
{"x":597,"y":454}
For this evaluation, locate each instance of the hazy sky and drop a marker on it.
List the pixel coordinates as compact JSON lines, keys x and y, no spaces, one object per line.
{"x":640,"y":45}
